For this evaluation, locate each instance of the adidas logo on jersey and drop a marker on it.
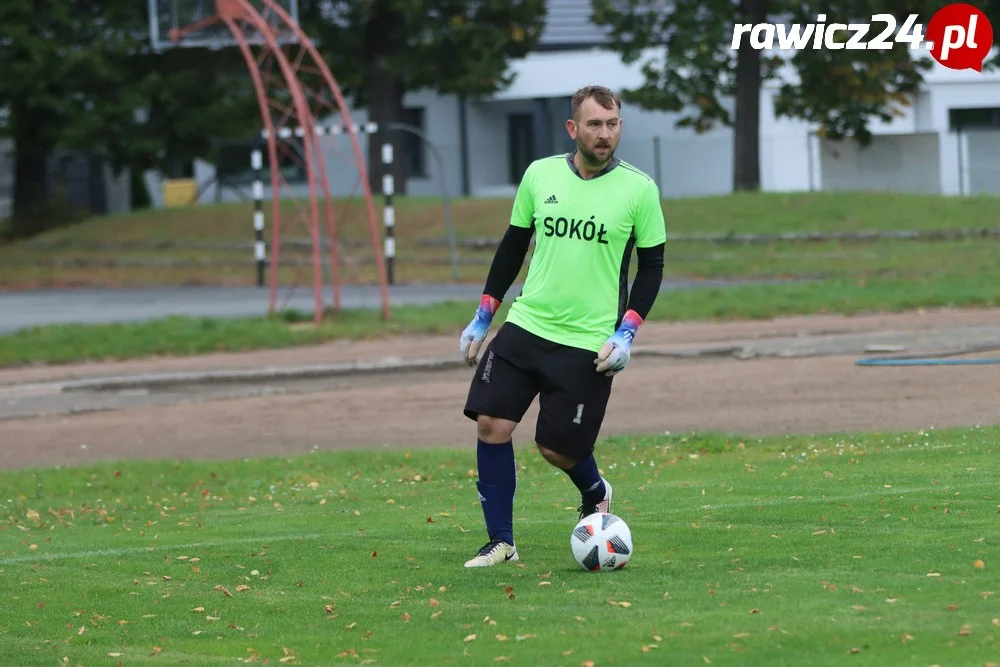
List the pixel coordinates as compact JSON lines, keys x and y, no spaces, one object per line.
{"x":552,"y":200}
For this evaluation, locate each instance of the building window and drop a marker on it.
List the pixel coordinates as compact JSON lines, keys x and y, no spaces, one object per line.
{"x":984,"y":117}
{"x":233,"y":162}
{"x":414,"y":151}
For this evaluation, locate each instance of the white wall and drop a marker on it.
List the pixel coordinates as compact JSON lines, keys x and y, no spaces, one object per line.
{"x":441,"y":118}
{"x":981,"y":168}
{"x":896,"y":162}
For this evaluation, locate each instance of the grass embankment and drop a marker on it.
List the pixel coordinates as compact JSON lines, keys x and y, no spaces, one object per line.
{"x":849,"y":550}
{"x":213,"y":244}
{"x":843,"y":276}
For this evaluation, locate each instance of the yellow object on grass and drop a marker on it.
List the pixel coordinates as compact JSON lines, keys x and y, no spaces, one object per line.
{"x":179,"y":192}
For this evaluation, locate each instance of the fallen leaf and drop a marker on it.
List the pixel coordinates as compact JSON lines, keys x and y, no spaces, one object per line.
{"x":587,"y":663}
{"x":858,"y":607}
{"x":581,"y":619}
{"x":906,"y":638}
{"x":755,"y":611}
{"x":434,"y":603}
{"x":978,"y":564}
{"x":501,"y":638}
{"x":406,"y":616}
{"x":965,"y":631}
{"x":435,"y":614}
{"x":854,"y":650}
{"x":156,"y":649}
{"x":469,"y":638}
{"x":198,"y":610}
{"x":242,"y":588}
{"x":544,"y":583}
{"x":567,"y":652}
{"x":225,"y":591}
{"x":952,"y":607}
{"x":374,"y":554}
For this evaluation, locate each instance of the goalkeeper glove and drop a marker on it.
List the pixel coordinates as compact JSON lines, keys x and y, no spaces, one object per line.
{"x":617,"y":351}
{"x":474,"y":334}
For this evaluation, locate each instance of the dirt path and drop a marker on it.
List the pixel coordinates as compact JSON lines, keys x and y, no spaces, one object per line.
{"x":755,"y":397}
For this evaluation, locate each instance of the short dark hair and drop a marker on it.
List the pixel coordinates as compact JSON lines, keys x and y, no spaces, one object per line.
{"x":602,"y":95}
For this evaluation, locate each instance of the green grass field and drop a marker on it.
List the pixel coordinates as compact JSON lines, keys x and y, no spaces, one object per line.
{"x":874,"y":549}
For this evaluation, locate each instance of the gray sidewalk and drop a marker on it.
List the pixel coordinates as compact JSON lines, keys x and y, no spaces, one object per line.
{"x":19,"y":310}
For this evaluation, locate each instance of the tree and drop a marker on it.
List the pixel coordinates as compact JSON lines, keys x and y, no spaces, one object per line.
{"x":381,"y":49}
{"x":77,"y":74}
{"x":697,"y":71}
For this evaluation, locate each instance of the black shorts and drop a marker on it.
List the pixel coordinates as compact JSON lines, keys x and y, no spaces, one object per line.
{"x":517,"y":365}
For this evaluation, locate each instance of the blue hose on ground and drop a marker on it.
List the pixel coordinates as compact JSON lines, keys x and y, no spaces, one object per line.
{"x":940,"y":359}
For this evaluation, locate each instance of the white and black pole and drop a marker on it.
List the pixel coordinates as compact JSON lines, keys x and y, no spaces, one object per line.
{"x":389,"y":214}
{"x":257,"y":163}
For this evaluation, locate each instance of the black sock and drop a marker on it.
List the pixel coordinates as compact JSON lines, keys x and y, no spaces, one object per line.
{"x":588,"y":479}
{"x":497,"y":484}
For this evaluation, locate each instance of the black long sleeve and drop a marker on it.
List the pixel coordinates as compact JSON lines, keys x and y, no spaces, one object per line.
{"x":508,"y":260}
{"x":648,"y":278}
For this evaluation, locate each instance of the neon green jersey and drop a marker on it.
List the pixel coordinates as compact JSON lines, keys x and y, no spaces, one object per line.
{"x":576,"y":289}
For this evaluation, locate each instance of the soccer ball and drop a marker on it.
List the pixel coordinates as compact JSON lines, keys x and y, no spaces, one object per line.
{"x":601,"y":541}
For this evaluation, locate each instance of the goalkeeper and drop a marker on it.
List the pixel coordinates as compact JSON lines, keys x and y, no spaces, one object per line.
{"x":571,"y":328}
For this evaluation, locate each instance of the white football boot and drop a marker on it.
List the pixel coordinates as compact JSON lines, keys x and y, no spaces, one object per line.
{"x":494,"y":552}
{"x":602,"y":507}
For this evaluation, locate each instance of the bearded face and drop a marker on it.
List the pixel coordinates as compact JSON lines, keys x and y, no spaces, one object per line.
{"x":596,"y":131}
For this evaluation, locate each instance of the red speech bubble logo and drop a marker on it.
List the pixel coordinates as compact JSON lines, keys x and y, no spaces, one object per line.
{"x":962,"y":36}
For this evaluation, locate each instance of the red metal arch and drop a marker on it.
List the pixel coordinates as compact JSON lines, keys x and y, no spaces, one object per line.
{"x":309,"y":84}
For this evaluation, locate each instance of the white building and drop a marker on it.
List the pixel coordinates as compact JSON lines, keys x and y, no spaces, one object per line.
{"x":484,"y":144}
